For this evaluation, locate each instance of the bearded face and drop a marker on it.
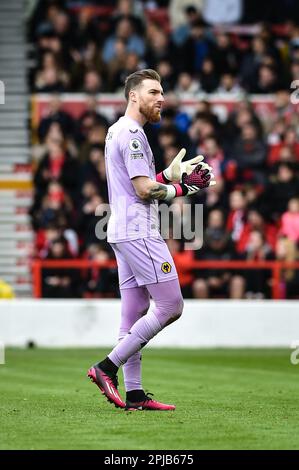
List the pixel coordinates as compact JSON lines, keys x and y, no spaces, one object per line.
{"x":149,"y":99}
{"x":151,"y":112}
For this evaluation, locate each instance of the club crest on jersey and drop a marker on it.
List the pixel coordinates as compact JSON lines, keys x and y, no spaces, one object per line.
{"x":166,"y":267}
{"x":133,"y":131}
{"x":135,"y":145}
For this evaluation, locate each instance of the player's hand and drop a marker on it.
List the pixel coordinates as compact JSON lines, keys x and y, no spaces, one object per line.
{"x":177,"y":168}
{"x":200,"y":178}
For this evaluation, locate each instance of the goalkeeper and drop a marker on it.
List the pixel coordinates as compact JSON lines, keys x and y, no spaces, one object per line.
{"x":145,"y":265}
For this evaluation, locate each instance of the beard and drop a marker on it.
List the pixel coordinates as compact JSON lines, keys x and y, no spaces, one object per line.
{"x":151,"y":114}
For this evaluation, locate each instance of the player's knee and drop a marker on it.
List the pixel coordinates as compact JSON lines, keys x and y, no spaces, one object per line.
{"x":141,"y":309}
{"x":169,"y":309}
{"x":177,"y":307}
{"x":145,"y":308}
{"x":175,"y":311}
{"x":180,"y":305}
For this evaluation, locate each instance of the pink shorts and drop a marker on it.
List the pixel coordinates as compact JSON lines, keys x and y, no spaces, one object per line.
{"x":143,"y":261}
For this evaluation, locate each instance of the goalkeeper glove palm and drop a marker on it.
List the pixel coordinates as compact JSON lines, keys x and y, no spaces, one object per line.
{"x":177,"y":168}
{"x":200,"y":178}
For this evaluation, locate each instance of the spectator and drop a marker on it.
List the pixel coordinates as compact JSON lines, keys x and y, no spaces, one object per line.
{"x":285,"y":141}
{"x":267,"y":81}
{"x":88,"y":119}
{"x":184,"y":12}
{"x":117,"y":65}
{"x":166,"y":72}
{"x":290,"y":221}
{"x":174,"y":116}
{"x":214,"y":156}
{"x":62,"y":27}
{"x":237,"y":215}
{"x":59,"y":283}
{"x":57,"y":165}
{"x":215,"y":198}
{"x":182,"y":16}
{"x":256,"y":222}
{"x":95,"y":135}
{"x":55,"y":113}
{"x":86,"y":59}
{"x":257,"y":280}
{"x":48,"y":41}
{"x":226,"y":55}
{"x":186,"y":88}
{"x":44,"y":237}
{"x":90,"y":200}
{"x":228,"y":86}
{"x":252,"y":61}
{"x":124,"y":31}
{"x":217,"y":246}
{"x":91,"y":170}
{"x":50,"y":66}
{"x":250,"y":155}
{"x":208,"y":77}
{"x":284,"y":186}
{"x":101,"y":282}
{"x":49,"y":81}
{"x":92,"y":82}
{"x":87,"y":29}
{"x":52,"y":205}
{"x":195,"y":49}
{"x":286,"y":250}
{"x":129,"y":64}
{"x":242,"y":115}
{"x":201,"y":128}
{"x":130,"y":10}
{"x":283,"y":106}
{"x":159,"y":47}
{"x":183,"y":261}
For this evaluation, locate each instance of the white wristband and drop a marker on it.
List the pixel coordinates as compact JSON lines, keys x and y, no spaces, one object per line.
{"x":171,"y":193}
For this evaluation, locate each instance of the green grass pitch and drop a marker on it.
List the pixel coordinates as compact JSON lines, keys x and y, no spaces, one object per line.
{"x":226,"y":399}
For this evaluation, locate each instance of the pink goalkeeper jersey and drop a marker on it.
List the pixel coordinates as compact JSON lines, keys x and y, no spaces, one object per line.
{"x":127,"y":155}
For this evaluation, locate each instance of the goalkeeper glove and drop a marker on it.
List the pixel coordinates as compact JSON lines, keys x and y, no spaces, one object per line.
{"x":177,"y":168}
{"x":200,"y":178}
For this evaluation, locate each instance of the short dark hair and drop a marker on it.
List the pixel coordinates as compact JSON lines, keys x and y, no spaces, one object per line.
{"x":190,"y":9}
{"x":133,"y":80}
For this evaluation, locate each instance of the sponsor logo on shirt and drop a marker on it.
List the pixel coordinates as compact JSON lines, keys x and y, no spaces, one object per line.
{"x":166,"y":267}
{"x":133,"y":131}
{"x":135,"y":145}
{"x":135,"y":156}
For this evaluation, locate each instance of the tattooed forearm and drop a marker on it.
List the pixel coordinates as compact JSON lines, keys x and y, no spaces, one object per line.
{"x":157,"y":191}
{"x":147,"y":189}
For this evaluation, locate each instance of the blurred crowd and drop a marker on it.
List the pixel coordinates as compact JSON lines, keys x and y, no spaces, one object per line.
{"x":253,"y":211}
{"x":86,"y":52}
